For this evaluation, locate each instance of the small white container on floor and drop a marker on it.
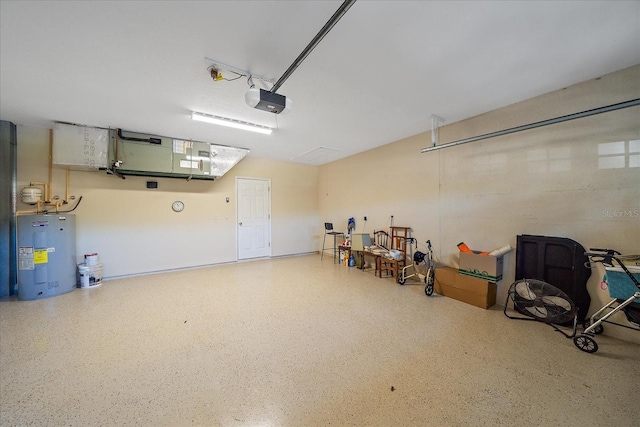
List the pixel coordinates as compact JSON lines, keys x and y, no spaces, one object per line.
{"x":91,"y":259}
{"x":90,"y":275}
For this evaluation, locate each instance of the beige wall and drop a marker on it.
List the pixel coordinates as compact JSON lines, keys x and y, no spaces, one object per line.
{"x":134,"y":230}
{"x":547,"y":181}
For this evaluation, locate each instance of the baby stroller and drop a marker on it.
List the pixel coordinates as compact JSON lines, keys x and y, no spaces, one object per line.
{"x":420,"y":259}
{"x":624,"y":289}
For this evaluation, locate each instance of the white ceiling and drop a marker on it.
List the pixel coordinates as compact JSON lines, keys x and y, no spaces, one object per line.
{"x":377,"y":77}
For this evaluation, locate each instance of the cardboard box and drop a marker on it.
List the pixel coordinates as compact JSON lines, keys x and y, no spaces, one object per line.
{"x":479,"y":292}
{"x":481,"y":266}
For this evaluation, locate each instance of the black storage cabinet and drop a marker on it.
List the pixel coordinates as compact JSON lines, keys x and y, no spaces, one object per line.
{"x":556,"y":260}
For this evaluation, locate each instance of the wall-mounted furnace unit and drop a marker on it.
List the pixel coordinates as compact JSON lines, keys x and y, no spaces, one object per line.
{"x":132,"y":153}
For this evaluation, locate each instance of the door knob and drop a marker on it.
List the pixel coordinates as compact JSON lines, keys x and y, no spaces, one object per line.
{"x":240,"y":223}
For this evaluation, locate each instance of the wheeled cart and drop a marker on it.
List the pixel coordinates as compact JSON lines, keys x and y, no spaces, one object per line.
{"x":623,"y":284}
{"x":412,"y":270}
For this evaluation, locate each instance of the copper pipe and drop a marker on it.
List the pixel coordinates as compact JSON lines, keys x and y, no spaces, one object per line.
{"x":115,"y":159}
{"x":48,"y":196}
{"x":66,"y":194}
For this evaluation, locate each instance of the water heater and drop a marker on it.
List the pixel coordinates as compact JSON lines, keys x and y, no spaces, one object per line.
{"x":46,"y":255}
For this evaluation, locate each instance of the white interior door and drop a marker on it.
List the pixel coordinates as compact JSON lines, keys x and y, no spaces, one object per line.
{"x":254,"y":218}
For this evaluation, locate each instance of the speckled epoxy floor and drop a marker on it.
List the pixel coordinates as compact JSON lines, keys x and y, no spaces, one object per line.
{"x":297,"y":342}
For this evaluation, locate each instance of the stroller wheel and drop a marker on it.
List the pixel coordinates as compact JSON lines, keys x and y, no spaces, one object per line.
{"x":598,"y":329}
{"x":401,"y":279}
{"x":585,"y":343}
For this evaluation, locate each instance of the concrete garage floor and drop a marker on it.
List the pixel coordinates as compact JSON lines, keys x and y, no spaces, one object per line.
{"x":297,"y":341}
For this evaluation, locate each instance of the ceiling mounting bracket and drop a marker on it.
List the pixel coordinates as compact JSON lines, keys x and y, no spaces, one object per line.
{"x":436,"y":122}
{"x":221,"y":65}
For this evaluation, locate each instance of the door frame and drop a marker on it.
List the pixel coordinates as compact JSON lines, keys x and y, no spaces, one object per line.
{"x":268,"y":180}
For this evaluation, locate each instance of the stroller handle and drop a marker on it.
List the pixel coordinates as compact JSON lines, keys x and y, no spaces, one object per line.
{"x":607,"y":251}
{"x":597,"y":255}
{"x":606,"y":257}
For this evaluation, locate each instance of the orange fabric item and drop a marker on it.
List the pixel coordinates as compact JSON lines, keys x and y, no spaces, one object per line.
{"x":462,"y":246}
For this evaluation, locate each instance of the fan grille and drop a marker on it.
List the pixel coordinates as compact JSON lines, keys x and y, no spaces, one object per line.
{"x":542,"y":301}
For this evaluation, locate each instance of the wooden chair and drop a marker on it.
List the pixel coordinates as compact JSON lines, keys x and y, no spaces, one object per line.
{"x":381,"y":238}
{"x":391,"y":266}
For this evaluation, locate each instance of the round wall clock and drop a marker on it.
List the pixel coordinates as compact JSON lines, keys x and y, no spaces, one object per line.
{"x":177,"y":206}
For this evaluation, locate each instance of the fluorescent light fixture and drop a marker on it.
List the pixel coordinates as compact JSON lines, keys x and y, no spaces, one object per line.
{"x":232,"y":123}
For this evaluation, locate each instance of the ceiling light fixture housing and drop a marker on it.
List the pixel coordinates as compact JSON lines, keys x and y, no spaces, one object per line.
{"x":232,"y":123}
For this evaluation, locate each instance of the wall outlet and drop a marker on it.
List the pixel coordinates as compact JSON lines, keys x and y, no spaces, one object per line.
{"x":365,"y":218}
